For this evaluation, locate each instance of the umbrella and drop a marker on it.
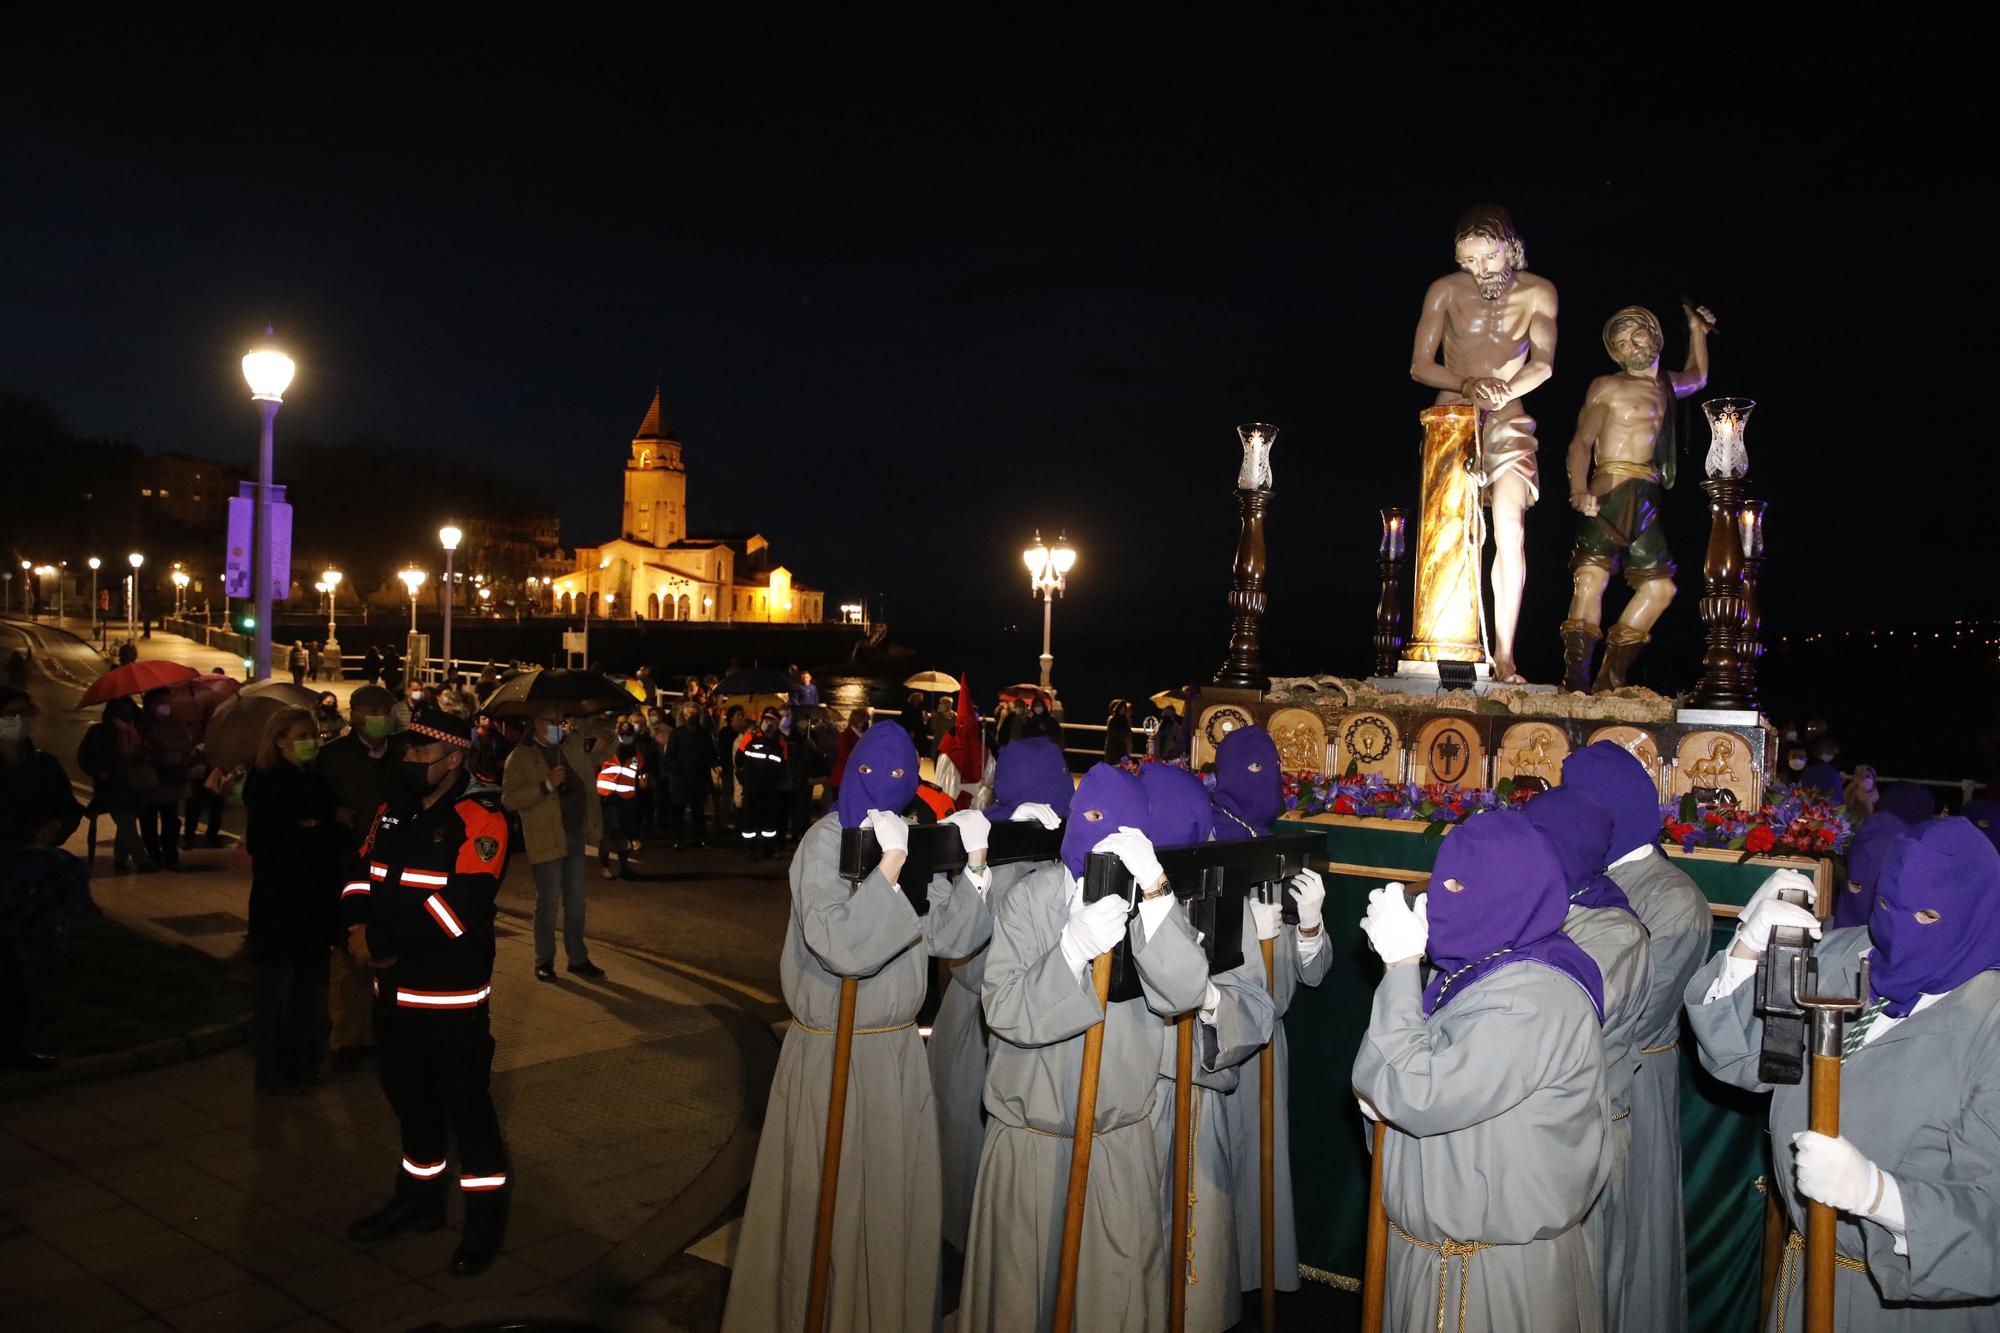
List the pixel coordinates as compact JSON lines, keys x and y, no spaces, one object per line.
{"x":284,"y":693}
{"x":196,"y":700}
{"x":237,"y":727}
{"x":756,"y":680}
{"x":134,"y":678}
{"x":1178,"y":698}
{"x":1022,"y":694}
{"x":931,"y":682}
{"x":577,"y":693}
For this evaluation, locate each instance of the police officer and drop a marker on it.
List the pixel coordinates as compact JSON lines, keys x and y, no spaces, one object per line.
{"x":419,"y":911}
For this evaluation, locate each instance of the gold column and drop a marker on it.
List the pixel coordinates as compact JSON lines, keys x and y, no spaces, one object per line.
{"x":1445,"y":626}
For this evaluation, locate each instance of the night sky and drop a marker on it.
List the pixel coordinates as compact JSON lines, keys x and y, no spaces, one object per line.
{"x":911,"y":295}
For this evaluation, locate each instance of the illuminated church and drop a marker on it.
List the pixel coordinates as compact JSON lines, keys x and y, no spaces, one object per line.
{"x":658,"y":570}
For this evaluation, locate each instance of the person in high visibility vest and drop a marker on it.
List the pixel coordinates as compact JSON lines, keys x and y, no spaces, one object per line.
{"x":419,"y":911}
{"x":760,"y":767}
{"x":621,"y":776}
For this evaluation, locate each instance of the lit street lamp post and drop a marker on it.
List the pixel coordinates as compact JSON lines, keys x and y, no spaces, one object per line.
{"x":95,"y":564}
{"x":413,"y":579}
{"x":330,"y":650}
{"x":1048,"y":574}
{"x":181,"y":582}
{"x":132,"y":597}
{"x":27,"y":597}
{"x":448,"y":537}
{"x":269,"y":373}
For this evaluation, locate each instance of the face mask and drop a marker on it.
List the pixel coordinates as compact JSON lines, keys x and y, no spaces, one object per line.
{"x":1795,"y":763}
{"x":552,"y":733}
{"x":410,"y":781}
{"x":1825,"y":758}
{"x":375,"y":728}
{"x":302,"y":751}
{"x":626,"y":735}
{"x":416,"y":697}
{"x":13,"y":728}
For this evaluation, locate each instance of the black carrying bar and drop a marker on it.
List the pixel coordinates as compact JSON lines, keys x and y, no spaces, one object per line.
{"x":1787,"y":971}
{"x":937,"y":849}
{"x":1212,"y":880}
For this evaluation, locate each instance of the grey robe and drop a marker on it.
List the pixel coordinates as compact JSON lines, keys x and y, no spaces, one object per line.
{"x":1497,"y":1136}
{"x":1619,"y":947}
{"x":957,"y":1052}
{"x":1244,"y":1018}
{"x":1678,"y":919}
{"x":885,"y":1254}
{"x":1921,"y":1101}
{"x":1038,"y":1012}
{"x":1239,"y":1111}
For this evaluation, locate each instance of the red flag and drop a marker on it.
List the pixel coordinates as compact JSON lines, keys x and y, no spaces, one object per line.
{"x":965,"y":745}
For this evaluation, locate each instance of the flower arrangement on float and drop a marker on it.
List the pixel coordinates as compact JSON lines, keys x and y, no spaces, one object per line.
{"x":1438,"y":805}
{"x":1793,"y":821}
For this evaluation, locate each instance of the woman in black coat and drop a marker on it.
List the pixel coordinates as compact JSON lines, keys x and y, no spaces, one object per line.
{"x":296,"y":850}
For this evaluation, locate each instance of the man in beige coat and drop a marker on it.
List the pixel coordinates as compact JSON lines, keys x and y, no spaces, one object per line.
{"x":548,"y":784}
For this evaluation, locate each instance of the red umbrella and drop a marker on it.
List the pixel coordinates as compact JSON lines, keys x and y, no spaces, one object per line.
{"x":135,"y":678}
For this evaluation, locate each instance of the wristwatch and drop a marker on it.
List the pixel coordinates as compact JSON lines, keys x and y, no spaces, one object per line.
{"x":1148,"y":895}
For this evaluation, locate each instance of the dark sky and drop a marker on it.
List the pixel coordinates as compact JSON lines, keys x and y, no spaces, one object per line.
{"x":911,"y":295}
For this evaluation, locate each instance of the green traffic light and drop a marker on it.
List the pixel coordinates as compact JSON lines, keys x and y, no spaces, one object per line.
{"x":249,"y":622}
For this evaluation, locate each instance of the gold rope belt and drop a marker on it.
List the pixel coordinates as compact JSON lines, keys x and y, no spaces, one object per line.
{"x":1461,"y":1250}
{"x":1788,"y":1273}
{"x":1660,"y":1050}
{"x":1624,"y":471}
{"x":1194,"y":1172}
{"x":797,"y":1026}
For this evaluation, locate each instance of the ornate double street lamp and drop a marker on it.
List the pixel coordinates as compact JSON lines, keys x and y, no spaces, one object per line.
{"x":449,"y":538}
{"x":1048,"y":574}
{"x":269,"y":373}
{"x":181,"y":581}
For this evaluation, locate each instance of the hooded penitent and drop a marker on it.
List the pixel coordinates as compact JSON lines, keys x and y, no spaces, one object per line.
{"x":1580,"y":828}
{"x":1107,"y":800}
{"x":1865,"y":857}
{"x":1177,"y":808}
{"x":881,"y":774}
{"x":1248,"y":792}
{"x":965,"y":745}
{"x":1608,"y":774}
{"x":1946,"y":871}
{"x":1508,"y":909}
{"x":1032,"y":770}
{"x":1908,"y":802}
{"x":1985,"y":816}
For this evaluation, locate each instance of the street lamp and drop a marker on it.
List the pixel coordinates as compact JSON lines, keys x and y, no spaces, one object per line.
{"x":181,"y":581}
{"x":330,"y":650}
{"x":269,"y":373}
{"x":27,"y":599}
{"x":132,"y":597}
{"x":1048,"y":574}
{"x":413,"y":579}
{"x":449,"y":538}
{"x":95,"y":564}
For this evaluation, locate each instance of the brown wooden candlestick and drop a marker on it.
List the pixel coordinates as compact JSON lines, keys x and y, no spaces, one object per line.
{"x":1723,"y":683}
{"x":1245,"y":668}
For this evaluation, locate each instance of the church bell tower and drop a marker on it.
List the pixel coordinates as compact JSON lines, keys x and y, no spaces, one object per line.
{"x":655,"y":483}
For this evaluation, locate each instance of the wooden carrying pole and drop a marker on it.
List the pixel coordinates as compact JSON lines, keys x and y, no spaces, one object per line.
{"x":829,"y":1169}
{"x":1267,"y":1159}
{"x":1079,"y":1152}
{"x":1375,"y":1266}
{"x":1825,"y":1119}
{"x":1177,"y":1234}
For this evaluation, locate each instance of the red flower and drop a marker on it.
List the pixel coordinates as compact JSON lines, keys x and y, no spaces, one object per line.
{"x":1343,"y":805}
{"x":1760,"y":839}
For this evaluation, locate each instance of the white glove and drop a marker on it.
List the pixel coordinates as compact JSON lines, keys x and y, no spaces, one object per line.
{"x":973,"y":829}
{"x":1311,"y":890}
{"x":1753,"y":928}
{"x":1129,"y":845}
{"x":1782,"y":879}
{"x":1270,"y":918}
{"x":1833,"y":1172}
{"x":1396,"y":930}
{"x":1092,"y":929}
{"x":891,"y":831}
{"x":1045,"y":815}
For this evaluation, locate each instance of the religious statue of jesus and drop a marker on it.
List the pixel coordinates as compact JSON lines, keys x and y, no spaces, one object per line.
{"x":1625,"y":428}
{"x":1495,"y":324}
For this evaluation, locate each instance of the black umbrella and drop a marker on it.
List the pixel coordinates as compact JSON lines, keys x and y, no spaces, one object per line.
{"x":574,"y":692}
{"x":755,"y":680}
